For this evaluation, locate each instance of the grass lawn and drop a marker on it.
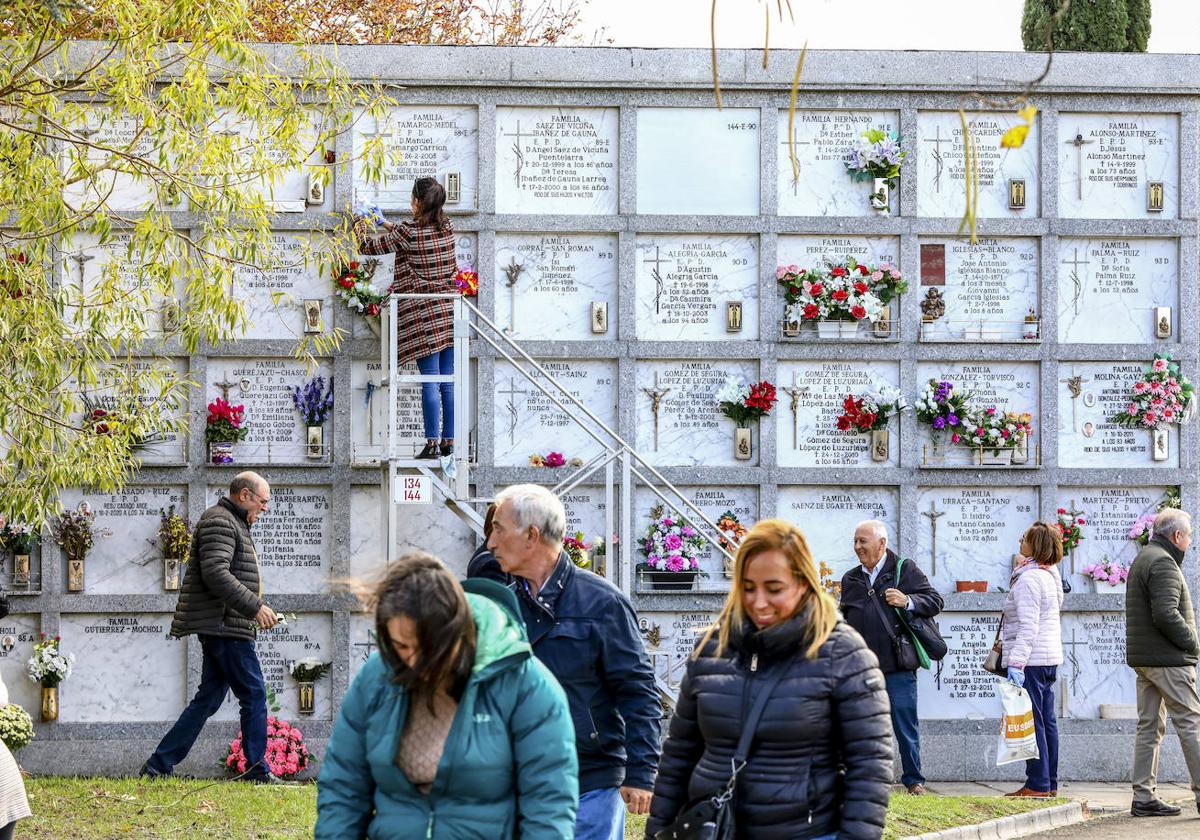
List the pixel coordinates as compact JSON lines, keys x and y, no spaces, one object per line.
{"x":100,"y":809}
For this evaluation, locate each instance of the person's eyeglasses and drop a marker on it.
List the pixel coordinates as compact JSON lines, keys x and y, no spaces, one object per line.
{"x":262,"y":501}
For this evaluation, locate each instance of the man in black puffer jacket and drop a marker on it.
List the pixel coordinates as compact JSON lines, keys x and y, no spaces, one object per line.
{"x":221,"y":602}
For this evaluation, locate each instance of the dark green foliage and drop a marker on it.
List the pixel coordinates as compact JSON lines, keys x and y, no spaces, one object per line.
{"x":1087,"y":25}
{"x":1138,"y":33}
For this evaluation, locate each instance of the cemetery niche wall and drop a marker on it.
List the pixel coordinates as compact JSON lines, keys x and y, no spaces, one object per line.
{"x":631,"y":237}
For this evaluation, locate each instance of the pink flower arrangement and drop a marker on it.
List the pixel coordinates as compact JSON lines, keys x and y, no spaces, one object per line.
{"x":286,"y":753}
{"x":1163,"y":397}
{"x":1142,"y":529}
{"x":1109,"y":571}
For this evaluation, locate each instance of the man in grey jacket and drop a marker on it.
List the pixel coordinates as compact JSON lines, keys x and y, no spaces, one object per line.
{"x":1162,"y":648}
{"x":221,"y":603}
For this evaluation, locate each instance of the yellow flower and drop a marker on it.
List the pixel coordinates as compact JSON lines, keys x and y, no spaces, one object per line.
{"x":1014,"y":138}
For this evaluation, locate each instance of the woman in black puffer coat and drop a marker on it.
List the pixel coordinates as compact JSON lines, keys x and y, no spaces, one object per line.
{"x":821,"y":762}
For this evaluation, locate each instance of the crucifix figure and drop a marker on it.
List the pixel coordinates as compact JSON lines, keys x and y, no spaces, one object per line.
{"x":795,"y":393}
{"x":655,"y":272}
{"x":1074,"y":384}
{"x":369,"y":390}
{"x":518,"y":151}
{"x":937,"y":140}
{"x":1076,"y":280}
{"x":933,"y":514}
{"x":81,"y":258}
{"x":1074,"y":513}
{"x":224,"y":385}
{"x":1079,"y":143}
{"x":512,"y":273}
{"x":656,"y":394}
{"x":1074,"y":660}
{"x":790,"y":145}
{"x":512,"y":408}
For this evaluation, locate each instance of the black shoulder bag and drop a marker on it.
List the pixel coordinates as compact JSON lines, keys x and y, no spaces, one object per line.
{"x":902,"y":644}
{"x":925,"y":630}
{"x":711,"y":817}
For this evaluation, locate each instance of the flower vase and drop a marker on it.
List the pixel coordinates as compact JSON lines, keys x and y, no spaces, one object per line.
{"x":743,"y":444}
{"x":791,"y":329}
{"x":837,"y":329}
{"x":1020,"y":452}
{"x":316,"y":441}
{"x":220,"y":452}
{"x":879,"y":444}
{"x":970,"y":586}
{"x":74,"y":575}
{"x":171,"y":567}
{"x":373,"y":325}
{"x":727,"y":567}
{"x":993,"y":457}
{"x":881,"y":196}
{"x":20,"y":576}
{"x":307,"y":696}
{"x":1103,"y":587}
{"x":49,"y":702}
{"x":1160,"y":444}
{"x":671,"y":581}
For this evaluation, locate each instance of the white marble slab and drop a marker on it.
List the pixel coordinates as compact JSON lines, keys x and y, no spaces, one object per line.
{"x":166,"y":447}
{"x":685,"y":281}
{"x":292,"y":273}
{"x":712,"y":502}
{"x":18,"y":635}
{"x":557,"y":160}
{"x":115,"y":271}
{"x":584,"y":507}
{"x":1109,"y":513}
{"x":670,"y":639}
{"x":433,"y":528}
{"x":363,"y":641}
{"x":128,"y":669}
{"x":558,"y":276}
{"x":294,"y":539}
{"x":811,"y":396}
{"x":1085,"y":437}
{"x":989,"y":288}
{"x":1009,"y":386}
{"x":310,"y":635}
{"x":369,"y":409}
{"x":432,"y":140}
{"x":126,"y":562}
{"x":829,"y":515}
{"x":287,"y":191}
{"x":1094,"y":669}
{"x":820,"y":140}
{"x":526,"y":422}
{"x":957,"y":688}
{"x":264,"y":386}
{"x":979,"y":529}
{"x":941,"y":185}
{"x":1108,"y":289}
{"x":1121,"y":154}
{"x":806,"y":251}
{"x":691,"y":429}
{"x":698,"y":160}
{"x":109,"y":189}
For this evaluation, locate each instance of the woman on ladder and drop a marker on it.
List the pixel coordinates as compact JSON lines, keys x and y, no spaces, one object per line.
{"x":425,"y":264}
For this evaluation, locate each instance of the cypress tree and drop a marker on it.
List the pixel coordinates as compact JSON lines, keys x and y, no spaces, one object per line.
{"x":1086,"y":26}
{"x":1138,"y":33}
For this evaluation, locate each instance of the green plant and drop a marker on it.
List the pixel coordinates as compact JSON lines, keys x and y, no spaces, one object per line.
{"x":174,"y":534}
{"x":1086,"y":25}
{"x":16,"y":727}
{"x":309,"y":670}
{"x":19,"y":538}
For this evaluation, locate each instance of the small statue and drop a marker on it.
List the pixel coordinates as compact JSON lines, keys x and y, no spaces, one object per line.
{"x":933,"y":306}
{"x":1031,"y":316}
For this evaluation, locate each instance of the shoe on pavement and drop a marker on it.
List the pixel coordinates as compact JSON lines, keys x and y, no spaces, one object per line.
{"x":916,"y":790}
{"x":146,"y":773}
{"x":1154,"y":808}
{"x":1036,"y":794}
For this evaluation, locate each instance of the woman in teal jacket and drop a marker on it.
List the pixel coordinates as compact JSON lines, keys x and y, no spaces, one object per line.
{"x":452,"y":730}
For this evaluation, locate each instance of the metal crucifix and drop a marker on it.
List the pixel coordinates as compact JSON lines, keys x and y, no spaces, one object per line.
{"x":934,"y":515}
{"x":1079,"y":143}
{"x":225,"y":386}
{"x":656,"y":273}
{"x":1076,"y":280}
{"x":937,"y":140}
{"x":518,"y":151}
{"x":656,"y":394}
{"x":1074,"y":384}
{"x":795,"y":393}
{"x":81,"y":258}
{"x":512,"y":273}
{"x":512,"y":408}
{"x":369,"y":389}
{"x":1074,"y":513}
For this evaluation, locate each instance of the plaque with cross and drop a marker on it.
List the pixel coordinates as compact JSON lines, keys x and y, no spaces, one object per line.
{"x":656,"y":273}
{"x":512,"y":408}
{"x":1074,"y":384}
{"x":939,"y":160}
{"x":656,"y":395}
{"x":1076,"y":279}
{"x":518,"y":152}
{"x":1078,"y":142}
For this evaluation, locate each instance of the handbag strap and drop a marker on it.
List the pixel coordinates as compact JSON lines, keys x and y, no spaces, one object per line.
{"x":749,"y":725}
{"x":874,"y":599}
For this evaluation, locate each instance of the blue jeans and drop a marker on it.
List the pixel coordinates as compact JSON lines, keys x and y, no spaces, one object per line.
{"x":601,"y":815}
{"x":902,"y":692}
{"x":1041,"y":773}
{"x":437,"y":397}
{"x":228,"y":664}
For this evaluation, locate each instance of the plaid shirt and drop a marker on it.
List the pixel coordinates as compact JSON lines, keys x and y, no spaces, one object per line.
{"x":425,"y":264}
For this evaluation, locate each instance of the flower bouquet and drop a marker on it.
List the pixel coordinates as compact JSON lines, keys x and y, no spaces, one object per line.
{"x":467,"y":282}
{"x":16,"y":727}
{"x":224,"y":427}
{"x":942,"y":409}
{"x":839,"y":296}
{"x":672,"y":550}
{"x":553,"y":460}
{"x":314,"y":408}
{"x":831,"y":585}
{"x":1142,"y":530}
{"x":1071,"y":529}
{"x":1161,"y":398}
{"x":995,"y":435}
{"x":48,"y":667}
{"x":1107,"y":576}
{"x":286,"y":753}
{"x":20,"y":540}
{"x":353,"y":285}
{"x":75,"y":532}
{"x":742,"y":403}
{"x":577,"y":549}
{"x":306,"y":672}
{"x":175,"y":542}
{"x":731,"y":530}
{"x":870,"y":411}
{"x":877,"y":157}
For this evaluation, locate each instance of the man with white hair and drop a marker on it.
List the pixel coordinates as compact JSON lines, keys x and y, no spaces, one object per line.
{"x":1162,"y":648}
{"x":870,"y":594}
{"x":585,"y":631}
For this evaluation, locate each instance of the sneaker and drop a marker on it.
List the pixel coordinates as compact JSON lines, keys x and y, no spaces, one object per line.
{"x":429,"y":453}
{"x":1154,"y":808}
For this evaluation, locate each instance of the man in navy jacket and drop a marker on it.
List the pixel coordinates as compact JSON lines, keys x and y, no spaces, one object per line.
{"x":585,"y":631}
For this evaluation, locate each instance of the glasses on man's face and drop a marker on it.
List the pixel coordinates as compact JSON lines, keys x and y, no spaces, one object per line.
{"x":262,"y":501}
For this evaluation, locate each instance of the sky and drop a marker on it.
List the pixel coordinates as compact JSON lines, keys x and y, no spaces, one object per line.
{"x":988,"y":25}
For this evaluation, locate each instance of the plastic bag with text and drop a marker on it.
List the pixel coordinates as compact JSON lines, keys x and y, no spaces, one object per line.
{"x":1017,"y":739}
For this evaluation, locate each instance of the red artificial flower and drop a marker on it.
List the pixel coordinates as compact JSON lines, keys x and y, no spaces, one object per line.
{"x":863,"y":270}
{"x":840,"y":295}
{"x":861,"y":287}
{"x":1062,"y":510}
{"x":372,"y":308}
{"x":793,"y":289}
{"x":858,"y":312}
{"x":816,"y":289}
{"x":812,"y":311}
{"x":849,"y":404}
{"x":346,"y":283}
{"x":843,"y":423}
{"x":353,"y":266}
{"x":866,"y":421}
{"x":838,"y":272}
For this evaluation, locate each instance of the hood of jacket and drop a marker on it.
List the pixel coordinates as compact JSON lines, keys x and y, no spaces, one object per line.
{"x":500,"y":641}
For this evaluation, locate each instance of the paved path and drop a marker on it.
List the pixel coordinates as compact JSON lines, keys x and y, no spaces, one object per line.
{"x":1185,"y":826}
{"x":1099,"y":796}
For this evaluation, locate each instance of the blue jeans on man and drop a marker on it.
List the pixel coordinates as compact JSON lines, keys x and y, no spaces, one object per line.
{"x":902,"y":692}
{"x":437,"y":398}
{"x":228,"y":664}
{"x":1041,"y":773}
{"x":601,"y":815}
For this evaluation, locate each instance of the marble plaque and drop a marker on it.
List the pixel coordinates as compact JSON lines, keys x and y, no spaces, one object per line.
{"x":1107,"y":161}
{"x":941,"y":183}
{"x":18,"y":635}
{"x":114,"y":270}
{"x":1094,"y":669}
{"x":128,"y":669}
{"x":957,"y":688}
{"x":807,"y":251}
{"x":829,"y":515}
{"x":433,"y":528}
{"x":288,"y":190}
{"x":310,"y":635}
{"x":111,"y":392}
{"x":978,"y":530}
{"x":702,"y":161}
{"x":292,"y":273}
{"x":363,"y":641}
{"x":432,"y":140}
{"x":584,"y":507}
{"x":556,"y":160}
{"x":684,"y":282}
{"x":264,"y":386}
{"x":1009,"y":386}
{"x":811,"y":395}
{"x":126,"y":562}
{"x":690,"y":429}
{"x":670,"y":639}
{"x":526,"y":422}
{"x":552,"y":279}
{"x":109,"y":189}
{"x":1108,"y":289}
{"x":369,"y":410}
{"x":820,"y":140}
{"x":293,"y":539}
{"x":1109,"y":513}
{"x":989,"y":288}
{"x":712,"y":502}
{"x":1085,"y":436}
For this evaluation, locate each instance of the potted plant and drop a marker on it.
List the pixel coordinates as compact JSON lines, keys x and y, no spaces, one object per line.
{"x":876,"y":157}
{"x":174,"y":540}
{"x":353,"y":285}
{"x":48,"y":667}
{"x":869,"y":413}
{"x":21,"y":540}
{"x":942,"y":409}
{"x":16,"y":727}
{"x":993,"y":435}
{"x":224,"y":427}
{"x":314,"y":408}
{"x":1161,"y":398}
{"x":732,"y":530}
{"x":1108,"y":576}
{"x":75,"y":532}
{"x":743,"y":403}
{"x":577,"y":550}
{"x":306,"y":672}
{"x":672,"y":551}
{"x":287,"y":755}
